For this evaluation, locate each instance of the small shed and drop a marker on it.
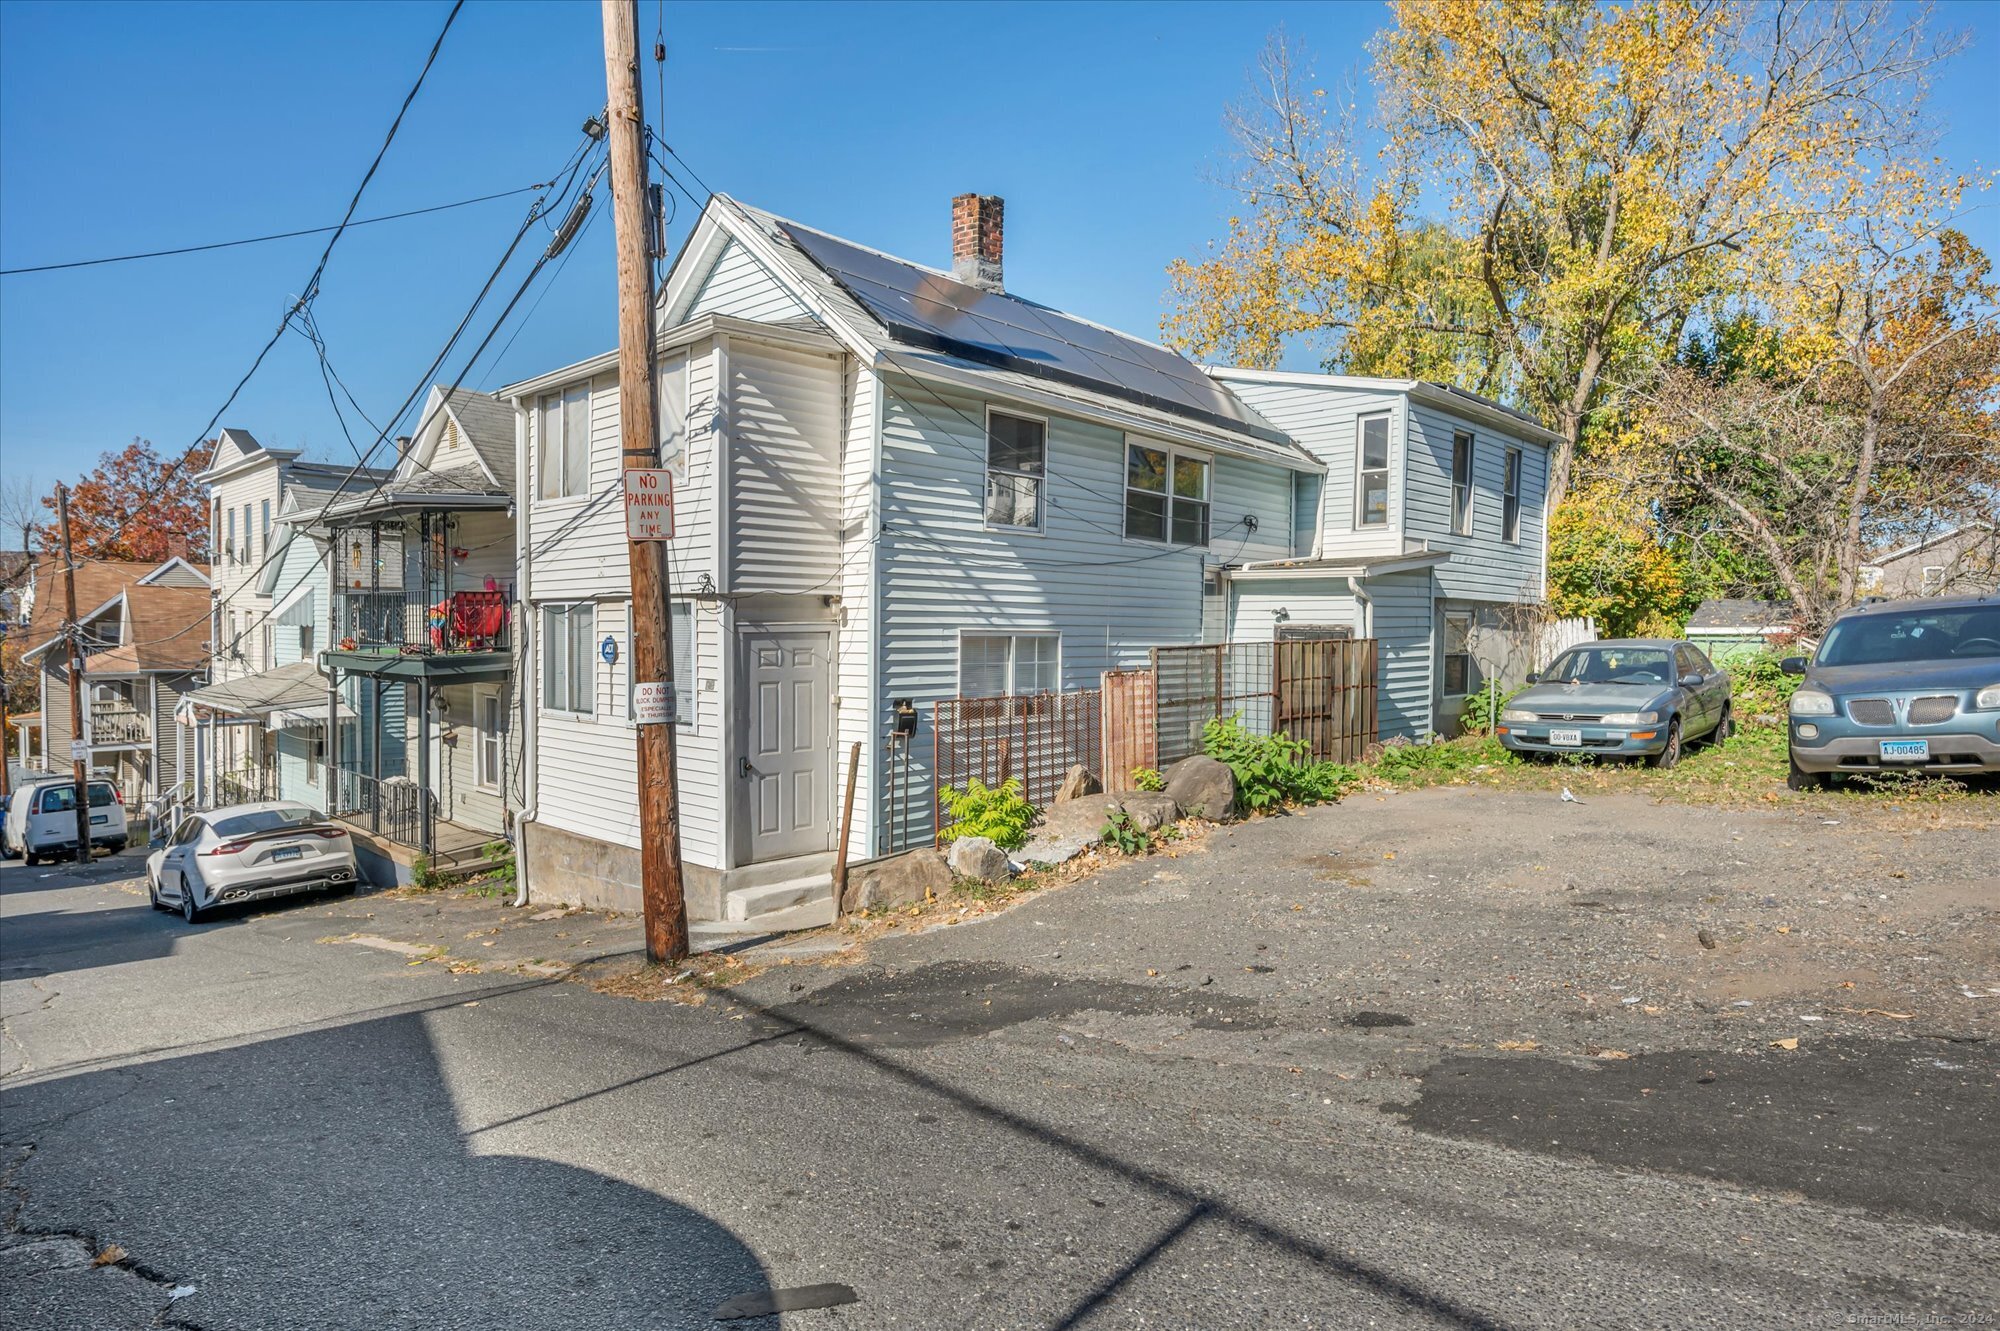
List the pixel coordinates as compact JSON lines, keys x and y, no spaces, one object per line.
{"x":1729,"y":628}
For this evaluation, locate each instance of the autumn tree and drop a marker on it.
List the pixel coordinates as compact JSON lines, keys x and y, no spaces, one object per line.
{"x":138,"y":506}
{"x":1565,"y":187}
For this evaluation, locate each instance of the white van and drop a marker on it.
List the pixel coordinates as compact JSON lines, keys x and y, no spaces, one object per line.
{"x":41,"y":819}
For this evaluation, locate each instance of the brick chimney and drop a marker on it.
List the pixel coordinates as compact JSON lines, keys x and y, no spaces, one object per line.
{"x":976,"y":239}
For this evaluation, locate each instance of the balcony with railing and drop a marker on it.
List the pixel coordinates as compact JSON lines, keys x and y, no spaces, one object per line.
{"x":402,"y":606}
{"x":119,"y":724}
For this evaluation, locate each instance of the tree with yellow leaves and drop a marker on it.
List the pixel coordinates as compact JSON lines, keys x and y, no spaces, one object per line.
{"x":1605,"y":174}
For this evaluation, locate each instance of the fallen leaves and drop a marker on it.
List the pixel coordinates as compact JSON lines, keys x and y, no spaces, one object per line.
{"x":1517,"y":1046}
{"x":1880,"y":1012}
{"x":109,"y":1255}
{"x":1790,"y":1042}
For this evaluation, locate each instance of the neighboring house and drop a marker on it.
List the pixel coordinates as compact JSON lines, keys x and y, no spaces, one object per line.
{"x":249,"y":485}
{"x":895,"y":486}
{"x":419,"y":641}
{"x":1732,"y":628}
{"x":1425,"y":533}
{"x":145,"y":635}
{"x":1958,"y":561}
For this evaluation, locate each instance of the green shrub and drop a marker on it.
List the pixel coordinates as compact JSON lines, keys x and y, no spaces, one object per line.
{"x":1121,"y":832}
{"x":421,"y":874}
{"x":1418,"y":764}
{"x":1147,"y":778}
{"x":504,"y":870}
{"x":1273,"y":769}
{"x":998,"y":812}
{"x":1758,"y":685}
{"x":1480,"y":713}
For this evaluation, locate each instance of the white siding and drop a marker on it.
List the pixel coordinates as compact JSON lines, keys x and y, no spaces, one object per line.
{"x":783,"y":483}
{"x":1255,"y":606}
{"x":941,"y":571}
{"x":455,"y":771}
{"x":855,"y":715}
{"x":1325,"y":421}
{"x":738,"y":285}
{"x":1484,"y":567}
{"x":234,"y":576}
{"x":587,"y":767}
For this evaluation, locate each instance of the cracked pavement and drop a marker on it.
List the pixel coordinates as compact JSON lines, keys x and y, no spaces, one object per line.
{"x":1449,"y":1058}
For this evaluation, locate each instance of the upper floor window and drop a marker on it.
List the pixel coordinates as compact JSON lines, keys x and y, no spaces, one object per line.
{"x":562,"y":445}
{"x":249,"y":537}
{"x":1510,"y":498}
{"x":1371,"y":490}
{"x":1017,"y":450}
{"x":1166,"y":496}
{"x":229,"y":540}
{"x":994,"y":665}
{"x":264,"y":526}
{"x":1461,"y":484}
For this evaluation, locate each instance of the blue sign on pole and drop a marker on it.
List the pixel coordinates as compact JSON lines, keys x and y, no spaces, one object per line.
{"x":608,"y":649}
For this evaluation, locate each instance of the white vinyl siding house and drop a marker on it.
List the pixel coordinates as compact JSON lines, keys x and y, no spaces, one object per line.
{"x":1459,"y":550}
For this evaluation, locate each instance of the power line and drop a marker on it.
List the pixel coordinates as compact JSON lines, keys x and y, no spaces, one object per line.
{"x":276,"y":235}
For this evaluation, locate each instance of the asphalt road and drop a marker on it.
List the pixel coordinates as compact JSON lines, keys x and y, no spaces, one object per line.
{"x":1254,"y":1086}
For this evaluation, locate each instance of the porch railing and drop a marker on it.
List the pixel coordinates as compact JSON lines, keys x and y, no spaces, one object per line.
{"x":245,"y":785}
{"x":394,"y":807}
{"x":118,"y":723}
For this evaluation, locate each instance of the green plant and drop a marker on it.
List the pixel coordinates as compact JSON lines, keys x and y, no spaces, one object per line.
{"x":1273,"y":769}
{"x":998,"y":812}
{"x":504,"y":871}
{"x":1147,"y":778}
{"x":1481,"y":710}
{"x":1123,"y":833}
{"x":1422,"y":764}
{"x":421,"y":874}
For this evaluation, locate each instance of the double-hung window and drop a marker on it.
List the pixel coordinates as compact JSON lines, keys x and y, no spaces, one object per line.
{"x":562,"y":444}
{"x":265,"y":526}
{"x":1017,"y":449}
{"x":569,"y":673}
{"x":1457,"y":654}
{"x":1371,"y":488}
{"x":993,"y":665}
{"x":249,"y":537}
{"x":1510,"y":498}
{"x":490,"y":721}
{"x":680,"y":631}
{"x":1461,"y":483}
{"x":1166,"y":496}
{"x":229,"y":540}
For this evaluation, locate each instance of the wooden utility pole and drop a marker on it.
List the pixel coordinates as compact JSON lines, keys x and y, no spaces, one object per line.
{"x":652,"y":649}
{"x":79,"y":751}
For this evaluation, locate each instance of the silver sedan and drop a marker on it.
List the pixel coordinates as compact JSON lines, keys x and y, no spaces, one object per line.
{"x":248,"y":852}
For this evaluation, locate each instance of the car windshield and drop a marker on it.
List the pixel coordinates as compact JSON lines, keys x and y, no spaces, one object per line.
{"x":1916,"y":635}
{"x":1611,"y":665}
{"x":61,"y":799}
{"x":265,"y":820}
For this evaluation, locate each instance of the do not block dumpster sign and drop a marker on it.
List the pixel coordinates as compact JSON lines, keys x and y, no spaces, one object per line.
{"x":649,"y":504}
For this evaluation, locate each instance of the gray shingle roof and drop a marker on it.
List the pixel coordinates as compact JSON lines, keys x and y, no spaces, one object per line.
{"x":487,"y":424}
{"x":1740,"y":613}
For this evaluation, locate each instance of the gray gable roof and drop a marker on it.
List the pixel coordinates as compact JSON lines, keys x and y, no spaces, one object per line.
{"x":487,"y":424}
{"x":1741,"y":613}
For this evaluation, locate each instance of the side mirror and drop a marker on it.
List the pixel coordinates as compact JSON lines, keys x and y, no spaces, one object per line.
{"x":1534,"y":677}
{"x":1793,"y":665}
{"x":1690,"y":681}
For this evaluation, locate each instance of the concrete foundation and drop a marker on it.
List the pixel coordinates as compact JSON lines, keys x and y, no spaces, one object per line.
{"x":582,"y":871}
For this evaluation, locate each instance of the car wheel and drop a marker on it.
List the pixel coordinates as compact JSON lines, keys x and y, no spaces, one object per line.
{"x":1724,"y":728}
{"x":190,"y":912}
{"x":30,"y":859}
{"x":118,"y":847}
{"x":1800,"y":779}
{"x":1671,"y":754}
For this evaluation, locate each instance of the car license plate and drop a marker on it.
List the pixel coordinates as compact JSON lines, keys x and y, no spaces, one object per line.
{"x":1568,"y":739}
{"x":1906,"y":750}
{"x":288,"y":852}
{"x":98,"y":819}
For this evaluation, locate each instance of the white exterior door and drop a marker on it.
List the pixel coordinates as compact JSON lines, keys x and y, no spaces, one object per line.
{"x":784,"y":769}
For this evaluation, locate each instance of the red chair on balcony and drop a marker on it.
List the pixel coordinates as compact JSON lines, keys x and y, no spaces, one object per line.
{"x":477,"y":620}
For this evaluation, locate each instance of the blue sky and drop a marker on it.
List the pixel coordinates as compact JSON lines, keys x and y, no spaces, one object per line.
{"x":130,"y":127}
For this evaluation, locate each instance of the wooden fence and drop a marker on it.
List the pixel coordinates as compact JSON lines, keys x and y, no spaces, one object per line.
{"x":1131,"y":728}
{"x":1320,"y":690}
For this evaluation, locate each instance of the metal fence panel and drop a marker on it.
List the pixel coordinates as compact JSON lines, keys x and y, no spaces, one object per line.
{"x":1036,"y":739}
{"x":1322,"y":691}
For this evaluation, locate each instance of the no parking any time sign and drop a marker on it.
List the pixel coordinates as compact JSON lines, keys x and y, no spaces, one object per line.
{"x":649,"y":504}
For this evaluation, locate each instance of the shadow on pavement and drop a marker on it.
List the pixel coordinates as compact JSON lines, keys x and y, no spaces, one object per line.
{"x":322,"y":1180}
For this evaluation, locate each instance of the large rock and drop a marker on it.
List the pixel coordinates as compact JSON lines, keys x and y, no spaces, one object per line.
{"x":896,"y":880}
{"x":1076,"y":783}
{"x":1149,"y":810}
{"x":977,"y":857}
{"x":1203,"y":788}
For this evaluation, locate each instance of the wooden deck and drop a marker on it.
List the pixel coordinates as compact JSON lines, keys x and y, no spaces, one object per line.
{"x":456,"y":848}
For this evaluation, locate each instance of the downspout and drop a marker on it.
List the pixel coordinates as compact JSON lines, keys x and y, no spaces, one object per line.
{"x":524,"y":655}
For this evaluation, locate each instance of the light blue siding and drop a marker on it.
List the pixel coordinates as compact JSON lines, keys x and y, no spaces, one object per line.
{"x":942,"y":572}
{"x":1324,"y":419}
{"x":1484,"y":567}
{"x":1405,"y":662}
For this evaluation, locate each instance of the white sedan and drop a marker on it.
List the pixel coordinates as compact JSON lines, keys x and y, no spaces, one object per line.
{"x":248,"y":852}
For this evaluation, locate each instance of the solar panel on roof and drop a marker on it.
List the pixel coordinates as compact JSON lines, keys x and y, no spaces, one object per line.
{"x":930,"y":310}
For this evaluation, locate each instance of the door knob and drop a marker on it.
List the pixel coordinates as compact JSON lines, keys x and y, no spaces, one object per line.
{"x":744,"y":768}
